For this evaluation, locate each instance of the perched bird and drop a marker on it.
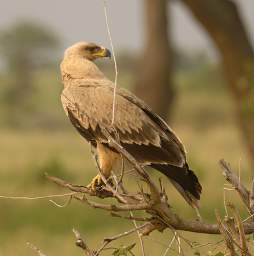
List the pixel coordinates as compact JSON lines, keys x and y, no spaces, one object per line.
{"x":87,"y":99}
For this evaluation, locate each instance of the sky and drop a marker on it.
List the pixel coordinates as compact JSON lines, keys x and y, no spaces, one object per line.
{"x":84,"y":20}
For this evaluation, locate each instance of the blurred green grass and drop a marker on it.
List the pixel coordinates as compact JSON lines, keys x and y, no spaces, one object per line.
{"x":203,"y":119}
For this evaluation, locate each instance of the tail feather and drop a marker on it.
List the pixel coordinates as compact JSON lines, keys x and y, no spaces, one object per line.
{"x":184,"y":180}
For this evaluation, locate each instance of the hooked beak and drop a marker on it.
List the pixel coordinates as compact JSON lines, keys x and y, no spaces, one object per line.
{"x":103,"y":52}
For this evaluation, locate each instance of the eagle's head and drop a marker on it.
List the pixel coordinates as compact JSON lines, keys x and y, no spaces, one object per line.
{"x":89,"y":51}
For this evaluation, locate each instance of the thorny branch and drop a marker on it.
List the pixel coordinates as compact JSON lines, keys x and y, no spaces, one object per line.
{"x":240,"y":236}
{"x":233,"y":233}
{"x":159,"y":215}
{"x":227,"y":235}
{"x":155,"y":204}
{"x":234,"y":180}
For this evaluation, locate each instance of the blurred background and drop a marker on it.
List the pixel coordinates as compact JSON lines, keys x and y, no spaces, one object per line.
{"x":191,"y":60}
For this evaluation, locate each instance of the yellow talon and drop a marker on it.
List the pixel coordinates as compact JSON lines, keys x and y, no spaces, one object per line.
{"x":96,"y":182}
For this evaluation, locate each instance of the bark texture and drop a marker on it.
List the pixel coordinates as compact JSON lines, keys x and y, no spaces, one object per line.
{"x":153,"y":83}
{"x":221,"y":19}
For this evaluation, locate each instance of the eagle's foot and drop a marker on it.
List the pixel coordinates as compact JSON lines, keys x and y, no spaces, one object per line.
{"x":96,"y":183}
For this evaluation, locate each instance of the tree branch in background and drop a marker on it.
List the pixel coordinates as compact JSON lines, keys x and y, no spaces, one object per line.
{"x":153,"y":80}
{"x":223,"y":22}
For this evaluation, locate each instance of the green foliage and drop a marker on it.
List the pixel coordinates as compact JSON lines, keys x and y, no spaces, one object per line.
{"x":188,"y":61}
{"x":27,"y":44}
{"x":124,"y":250}
{"x":203,"y":75}
{"x":24,"y":47}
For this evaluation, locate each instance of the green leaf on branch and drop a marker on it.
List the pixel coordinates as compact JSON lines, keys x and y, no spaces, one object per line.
{"x":124,"y":250}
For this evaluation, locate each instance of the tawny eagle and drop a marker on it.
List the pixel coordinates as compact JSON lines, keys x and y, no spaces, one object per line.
{"x":87,"y":99}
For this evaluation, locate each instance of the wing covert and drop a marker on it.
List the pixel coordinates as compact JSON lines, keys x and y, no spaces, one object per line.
{"x":137,"y":126}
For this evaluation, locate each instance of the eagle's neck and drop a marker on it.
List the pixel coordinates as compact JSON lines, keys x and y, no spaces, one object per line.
{"x":79,"y":68}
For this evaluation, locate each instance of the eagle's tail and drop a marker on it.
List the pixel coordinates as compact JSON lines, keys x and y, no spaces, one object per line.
{"x":184,"y":180}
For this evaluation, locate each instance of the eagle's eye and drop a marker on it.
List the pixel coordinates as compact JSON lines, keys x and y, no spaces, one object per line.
{"x":93,"y":48}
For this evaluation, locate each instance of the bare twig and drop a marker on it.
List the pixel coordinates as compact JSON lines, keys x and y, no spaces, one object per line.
{"x":170,"y":244}
{"x":248,"y":218}
{"x":224,"y":201}
{"x":176,"y":222}
{"x":79,"y":188}
{"x":122,"y":170}
{"x":180,"y":251}
{"x":113,"y":207}
{"x":114,"y":58}
{"x":114,"y":214}
{"x":81,"y":243}
{"x":227,"y":236}
{"x":139,"y":235}
{"x":234,"y":180}
{"x":62,"y":205}
{"x":242,"y":240}
{"x":126,"y":233}
{"x":36,"y":249}
{"x":113,"y":238}
{"x":252,"y":197}
{"x":37,"y":197}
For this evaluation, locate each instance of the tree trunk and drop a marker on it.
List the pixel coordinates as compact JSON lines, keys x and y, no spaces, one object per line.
{"x":222,"y":21}
{"x":153,"y":83}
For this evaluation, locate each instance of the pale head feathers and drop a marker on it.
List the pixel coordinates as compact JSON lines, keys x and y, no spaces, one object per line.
{"x":78,"y":61}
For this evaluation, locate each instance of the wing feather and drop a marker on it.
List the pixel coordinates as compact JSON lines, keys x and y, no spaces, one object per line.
{"x":141,"y":132}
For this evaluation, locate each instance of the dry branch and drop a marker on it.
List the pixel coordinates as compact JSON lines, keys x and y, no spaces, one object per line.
{"x":155,"y":206}
{"x":82,"y":244}
{"x":79,"y":188}
{"x":252,"y":196}
{"x":227,"y":236}
{"x":233,"y":233}
{"x":240,"y":235}
{"x":234,"y":180}
{"x":36,"y":249}
{"x":160,"y":213}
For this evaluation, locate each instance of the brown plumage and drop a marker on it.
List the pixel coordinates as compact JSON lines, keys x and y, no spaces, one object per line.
{"x":87,"y":100}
